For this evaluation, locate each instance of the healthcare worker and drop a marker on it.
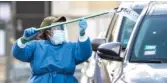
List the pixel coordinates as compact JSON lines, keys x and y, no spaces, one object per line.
{"x":52,"y":59}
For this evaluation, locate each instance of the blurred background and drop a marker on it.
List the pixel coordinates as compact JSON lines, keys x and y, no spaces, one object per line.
{"x":15,"y":16}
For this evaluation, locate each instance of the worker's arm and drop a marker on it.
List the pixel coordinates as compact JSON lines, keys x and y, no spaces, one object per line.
{"x":23,"y":52}
{"x":23,"y":48}
{"x":83,"y":49}
{"x":83,"y":46}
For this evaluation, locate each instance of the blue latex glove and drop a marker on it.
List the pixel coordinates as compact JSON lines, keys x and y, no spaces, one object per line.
{"x":82,"y":26}
{"x":29,"y":34}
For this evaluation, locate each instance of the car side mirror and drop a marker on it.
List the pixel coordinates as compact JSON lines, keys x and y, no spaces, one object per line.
{"x":110,"y":51}
{"x":96,"y":42}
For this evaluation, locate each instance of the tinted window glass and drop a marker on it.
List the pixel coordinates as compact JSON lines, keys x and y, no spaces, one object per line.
{"x":127,"y":27}
{"x":151,"y":42}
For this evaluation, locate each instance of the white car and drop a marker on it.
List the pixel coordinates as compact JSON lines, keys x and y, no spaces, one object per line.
{"x":145,"y":58}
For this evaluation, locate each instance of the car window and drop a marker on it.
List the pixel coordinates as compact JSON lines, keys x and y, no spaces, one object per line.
{"x":126,"y":27}
{"x":151,"y":41}
{"x":125,"y":31}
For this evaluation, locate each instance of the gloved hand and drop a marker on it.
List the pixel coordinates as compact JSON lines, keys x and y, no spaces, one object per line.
{"x":29,"y":34}
{"x":82,"y":26}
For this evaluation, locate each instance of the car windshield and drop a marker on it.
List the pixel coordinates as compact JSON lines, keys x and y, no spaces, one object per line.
{"x":126,"y":29}
{"x":151,"y":41}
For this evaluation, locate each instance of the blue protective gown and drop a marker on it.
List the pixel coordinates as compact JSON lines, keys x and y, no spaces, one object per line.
{"x":53,"y":63}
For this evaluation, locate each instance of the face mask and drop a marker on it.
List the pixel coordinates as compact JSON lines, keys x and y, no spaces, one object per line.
{"x":57,"y":37}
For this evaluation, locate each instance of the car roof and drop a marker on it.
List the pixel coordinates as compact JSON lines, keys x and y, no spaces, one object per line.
{"x":136,"y":6}
{"x":158,"y":9}
{"x":133,"y":4}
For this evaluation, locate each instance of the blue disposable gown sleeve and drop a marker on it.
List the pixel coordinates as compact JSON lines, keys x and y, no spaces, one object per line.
{"x":83,"y":50}
{"x":23,"y":52}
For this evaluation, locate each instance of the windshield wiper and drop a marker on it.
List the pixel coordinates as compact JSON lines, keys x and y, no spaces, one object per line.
{"x":148,"y":61}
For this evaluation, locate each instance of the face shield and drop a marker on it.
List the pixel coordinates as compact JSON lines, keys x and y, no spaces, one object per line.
{"x":59,"y":27}
{"x":58,"y":34}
